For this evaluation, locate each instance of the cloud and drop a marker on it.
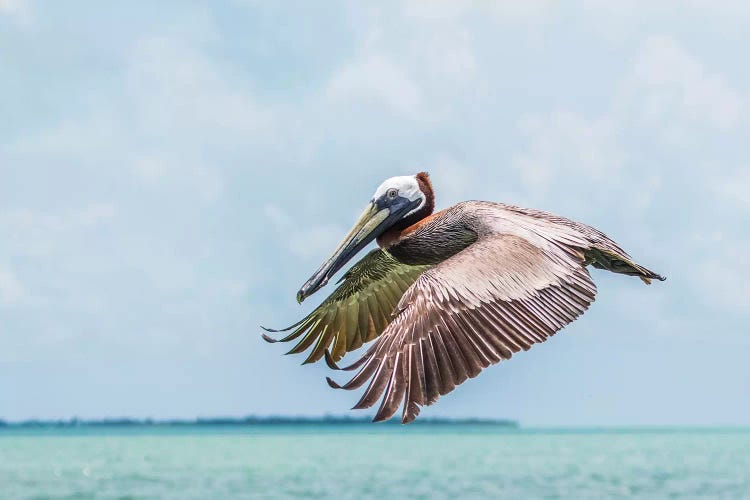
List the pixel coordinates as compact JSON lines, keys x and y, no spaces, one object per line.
{"x":734,"y":189}
{"x":174,"y":87}
{"x":175,"y":94}
{"x":564,"y":144}
{"x":162,"y":170}
{"x":11,"y":289}
{"x":307,"y":242}
{"x":11,"y":6}
{"x":512,"y":12}
{"x":17,"y":10}
{"x":724,"y":286}
{"x":379,"y":80}
{"x":36,"y":233}
{"x":720,"y":277}
{"x":675,"y":92}
{"x":167,"y":118}
{"x":411,"y":61}
{"x":452,"y":180}
{"x":502,"y":11}
{"x":109,"y":201}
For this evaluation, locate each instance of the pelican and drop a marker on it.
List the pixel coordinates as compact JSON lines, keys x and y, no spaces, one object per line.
{"x":448,"y":293}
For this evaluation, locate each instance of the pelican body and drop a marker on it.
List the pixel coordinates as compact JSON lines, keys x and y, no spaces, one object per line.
{"x":447,"y":293}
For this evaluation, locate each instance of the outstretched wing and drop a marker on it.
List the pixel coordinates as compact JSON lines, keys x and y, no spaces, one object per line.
{"x":496,"y":297}
{"x":357,"y":311}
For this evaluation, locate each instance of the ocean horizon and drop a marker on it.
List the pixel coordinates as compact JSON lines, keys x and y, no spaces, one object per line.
{"x":373,"y":461}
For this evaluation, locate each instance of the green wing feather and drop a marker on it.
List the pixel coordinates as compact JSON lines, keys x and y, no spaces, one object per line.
{"x":357,"y":311}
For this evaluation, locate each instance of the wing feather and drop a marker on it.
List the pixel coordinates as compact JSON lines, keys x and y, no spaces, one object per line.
{"x":353,"y":334}
{"x":357,"y":311}
{"x":500,"y":295}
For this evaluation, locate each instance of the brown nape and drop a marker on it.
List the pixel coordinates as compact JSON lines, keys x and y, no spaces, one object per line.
{"x":423,"y":179}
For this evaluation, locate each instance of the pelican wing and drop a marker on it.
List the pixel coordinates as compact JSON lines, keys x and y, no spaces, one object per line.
{"x":496,"y":297}
{"x":357,"y":311}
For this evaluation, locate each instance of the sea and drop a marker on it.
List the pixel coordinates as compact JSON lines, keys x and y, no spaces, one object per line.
{"x":371,"y":461}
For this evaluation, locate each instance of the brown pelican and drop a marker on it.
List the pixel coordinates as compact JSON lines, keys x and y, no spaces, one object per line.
{"x":448,"y":293}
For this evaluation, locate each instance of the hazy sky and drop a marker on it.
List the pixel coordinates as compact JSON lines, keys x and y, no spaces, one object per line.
{"x":171,"y":174}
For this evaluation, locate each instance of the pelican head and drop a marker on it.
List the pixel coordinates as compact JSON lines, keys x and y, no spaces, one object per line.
{"x":398,"y":201}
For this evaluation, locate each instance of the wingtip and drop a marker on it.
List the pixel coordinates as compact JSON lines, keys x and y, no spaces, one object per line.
{"x":332,"y":384}
{"x":268,"y":339}
{"x":354,"y":365}
{"x":329,"y":360}
{"x":411,"y":412}
{"x":273,"y":330}
{"x":361,"y":404}
{"x":652,"y":276}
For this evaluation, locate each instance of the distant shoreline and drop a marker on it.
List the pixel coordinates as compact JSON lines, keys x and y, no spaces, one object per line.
{"x":244,"y":421}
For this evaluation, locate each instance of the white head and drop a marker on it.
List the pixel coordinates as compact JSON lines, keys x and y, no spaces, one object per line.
{"x":397,"y":203}
{"x":404,"y":186}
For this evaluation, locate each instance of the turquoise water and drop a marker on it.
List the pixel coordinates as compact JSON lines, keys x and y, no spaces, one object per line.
{"x":365,"y":462}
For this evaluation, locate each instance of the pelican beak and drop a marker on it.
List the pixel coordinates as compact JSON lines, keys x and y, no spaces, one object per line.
{"x":374,"y":221}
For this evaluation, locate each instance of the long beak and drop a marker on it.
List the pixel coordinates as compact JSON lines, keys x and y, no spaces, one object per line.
{"x":371,"y":224}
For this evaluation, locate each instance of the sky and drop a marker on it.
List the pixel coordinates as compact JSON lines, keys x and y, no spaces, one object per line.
{"x":172,"y":172}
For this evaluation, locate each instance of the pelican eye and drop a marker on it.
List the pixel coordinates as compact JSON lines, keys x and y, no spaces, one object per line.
{"x":392,"y":193}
